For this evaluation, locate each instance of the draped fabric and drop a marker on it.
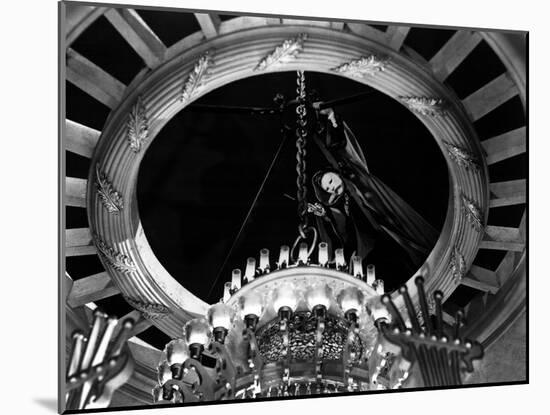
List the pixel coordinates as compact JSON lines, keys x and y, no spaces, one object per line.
{"x":378,"y":206}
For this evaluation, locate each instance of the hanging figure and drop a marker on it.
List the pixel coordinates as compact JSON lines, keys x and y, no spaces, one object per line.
{"x":338,"y":221}
{"x":358,"y":206}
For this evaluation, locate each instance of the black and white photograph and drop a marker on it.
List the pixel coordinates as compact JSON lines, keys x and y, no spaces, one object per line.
{"x":260,"y":207}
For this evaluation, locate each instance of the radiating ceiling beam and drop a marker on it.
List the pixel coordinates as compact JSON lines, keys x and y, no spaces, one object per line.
{"x":337,"y":25}
{"x":93,"y":80}
{"x":80,"y":139}
{"x":522,"y":226}
{"x":481,"y":279}
{"x":79,"y":242}
{"x":138,"y":35}
{"x":240,"y":23}
{"x":209,"y":23}
{"x":511,"y":48}
{"x":490,"y":96}
{"x":140,"y":323}
{"x":396,"y":36}
{"x":453,"y":53}
{"x":505,"y":145}
{"x":475,"y":308}
{"x":75,"y":191}
{"x":78,"y":17}
{"x":506,"y":267}
{"x":502,"y":238}
{"x":92,"y":288}
{"x":508,"y":193}
{"x":367,"y":31}
{"x":447,"y":318}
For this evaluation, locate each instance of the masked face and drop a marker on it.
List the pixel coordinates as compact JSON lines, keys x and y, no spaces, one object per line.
{"x":333,"y":184}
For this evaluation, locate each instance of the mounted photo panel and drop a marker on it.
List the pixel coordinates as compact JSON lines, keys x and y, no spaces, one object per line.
{"x":265,"y":207}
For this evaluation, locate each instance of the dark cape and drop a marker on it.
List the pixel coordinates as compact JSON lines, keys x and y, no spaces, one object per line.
{"x":342,"y":225}
{"x":376,"y":209}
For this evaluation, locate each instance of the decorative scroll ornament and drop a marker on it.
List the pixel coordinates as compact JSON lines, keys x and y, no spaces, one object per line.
{"x":196,"y":77}
{"x":473,"y":213}
{"x":287,"y":51}
{"x":359,"y":68}
{"x":457,"y":265}
{"x":462,"y":157}
{"x":138,"y":130}
{"x":116,"y":260}
{"x":111,"y":199}
{"x":150,"y":311}
{"x":432,"y":107}
{"x":430,"y":302}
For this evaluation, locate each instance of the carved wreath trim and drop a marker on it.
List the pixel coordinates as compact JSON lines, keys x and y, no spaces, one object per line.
{"x":427,"y":106}
{"x":283,"y":53}
{"x":151,"y":311}
{"x":138,"y":129}
{"x":110,"y":198}
{"x":457,"y":265}
{"x":116,"y":260}
{"x":195,"y":78}
{"x":472,"y":213}
{"x":365,"y":66}
{"x":462,"y":157}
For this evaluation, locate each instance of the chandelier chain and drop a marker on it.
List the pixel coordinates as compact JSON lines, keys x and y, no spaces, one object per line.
{"x":301,"y":141}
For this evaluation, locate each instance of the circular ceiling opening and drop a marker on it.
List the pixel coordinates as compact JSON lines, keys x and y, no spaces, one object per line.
{"x":203,"y":171}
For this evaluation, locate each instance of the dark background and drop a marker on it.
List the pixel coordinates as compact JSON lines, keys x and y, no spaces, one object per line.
{"x":199,"y":177}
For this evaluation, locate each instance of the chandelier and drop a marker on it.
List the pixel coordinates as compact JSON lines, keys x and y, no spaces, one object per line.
{"x":310,"y":324}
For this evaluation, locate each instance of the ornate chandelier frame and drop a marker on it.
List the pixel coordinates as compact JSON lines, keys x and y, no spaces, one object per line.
{"x":156,"y":96}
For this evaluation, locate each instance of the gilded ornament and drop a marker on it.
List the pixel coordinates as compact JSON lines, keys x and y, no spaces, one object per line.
{"x":195,"y":78}
{"x":138,"y":130}
{"x":473,"y":213}
{"x":287,"y":51}
{"x":365,"y":66}
{"x":116,"y":260}
{"x":151,"y":311}
{"x":457,"y":265}
{"x":427,"y":106}
{"x":462,"y":157}
{"x":110,"y":198}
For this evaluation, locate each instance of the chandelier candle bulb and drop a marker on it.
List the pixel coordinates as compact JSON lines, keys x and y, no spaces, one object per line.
{"x":339,"y":258}
{"x":323,"y":254}
{"x":250,"y":271}
{"x":284,"y":256}
{"x":251,"y":306}
{"x":285,"y":301}
{"x":379,"y":286}
{"x":302,"y":253}
{"x":350,"y":301}
{"x":235,"y":280}
{"x":220,"y":316}
{"x":164,"y":373}
{"x":371,"y":275}
{"x":176,"y":352}
{"x":356,"y":267}
{"x":264,"y":260}
{"x":197,"y":336}
{"x":380,"y":314}
{"x":226,"y":292}
{"x":318,"y":296}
